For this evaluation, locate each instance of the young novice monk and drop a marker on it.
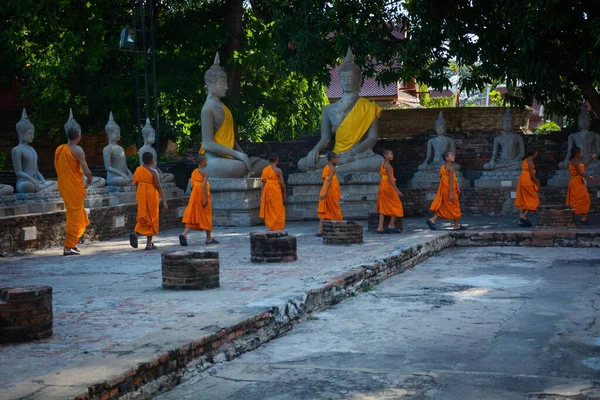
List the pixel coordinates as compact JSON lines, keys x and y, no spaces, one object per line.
{"x":273,"y":192}
{"x":148,"y":189}
{"x":388,"y":198}
{"x":198,"y":213}
{"x":329,"y":197}
{"x":527,"y":200}
{"x":577,"y":194}
{"x":446,"y":205}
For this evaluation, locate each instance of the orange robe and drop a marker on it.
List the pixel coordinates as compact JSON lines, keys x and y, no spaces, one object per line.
{"x":147,"y":202}
{"x":388,"y":201}
{"x":271,"y":202}
{"x":527,"y":197}
{"x":329,"y":208}
{"x":72,"y":190}
{"x":195,"y":216}
{"x":577,"y":193}
{"x":441,"y":204}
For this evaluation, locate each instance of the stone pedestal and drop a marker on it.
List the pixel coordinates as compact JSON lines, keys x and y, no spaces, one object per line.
{"x":124,"y":194}
{"x":431,"y":179}
{"x":498,"y":179}
{"x":562,"y":176}
{"x":359,"y":195}
{"x":172,"y":191}
{"x":342,"y":232}
{"x":10,"y":207}
{"x":193,"y":270}
{"x":272,"y":247}
{"x":556,"y":216}
{"x":96,"y":198}
{"x":25,"y":313}
{"x":235,"y":202}
{"x":36,"y":203}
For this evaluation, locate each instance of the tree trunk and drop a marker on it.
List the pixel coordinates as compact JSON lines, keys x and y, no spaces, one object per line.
{"x":233,"y":22}
{"x":586,"y":84}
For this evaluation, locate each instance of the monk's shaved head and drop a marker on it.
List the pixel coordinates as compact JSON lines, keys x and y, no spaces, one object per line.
{"x":73,"y":133}
{"x":147,"y":158}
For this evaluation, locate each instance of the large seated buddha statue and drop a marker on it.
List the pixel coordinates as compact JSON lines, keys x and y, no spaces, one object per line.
{"x":226,"y":159}
{"x":353,"y":120}
{"x":149,"y":135}
{"x":115,"y":160}
{"x":438,"y":146}
{"x":511,"y":146}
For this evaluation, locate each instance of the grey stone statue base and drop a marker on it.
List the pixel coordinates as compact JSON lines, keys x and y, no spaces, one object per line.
{"x":359,"y":195}
{"x":498,"y":179}
{"x":235,"y":201}
{"x":124,"y":194}
{"x":562,"y":177}
{"x":172,"y":191}
{"x":431,"y":179}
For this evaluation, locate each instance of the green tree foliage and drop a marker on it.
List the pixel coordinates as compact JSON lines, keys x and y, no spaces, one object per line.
{"x":434,"y":102}
{"x":546,"y":128}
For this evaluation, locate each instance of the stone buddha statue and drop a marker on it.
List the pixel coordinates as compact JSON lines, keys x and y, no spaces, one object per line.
{"x":97,"y":182}
{"x":6,"y":190}
{"x":25,"y":161}
{"x":438,"y":146}
{"x":511,"y":145}
{"x":115,"y":161}
{"x":226,"y":159}
{"x":149,"y":135}
{"x":354,"y":121}
{"x":586,"y":140}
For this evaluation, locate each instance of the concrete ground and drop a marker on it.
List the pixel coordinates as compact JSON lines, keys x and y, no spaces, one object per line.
{"x":469,"y":323}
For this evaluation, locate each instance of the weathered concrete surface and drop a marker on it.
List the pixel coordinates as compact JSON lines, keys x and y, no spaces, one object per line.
{"x":470,"y":323}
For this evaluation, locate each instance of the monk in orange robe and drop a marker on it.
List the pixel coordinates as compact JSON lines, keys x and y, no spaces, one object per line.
{"x":446,"y":204}
{"x":273,"y":192}
{"x":330,"y":195}
{"x":388,"y":198}
{"x":577,"y":194}
{"x":527,"y":199}
{"x":70,"y":165}
{"x":148,"y":190}
{"x":198,"y":213}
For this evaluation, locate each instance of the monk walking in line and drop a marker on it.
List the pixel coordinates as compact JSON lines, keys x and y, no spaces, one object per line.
{"x":446,"y":204}
{"x":577,"y":194}
{"x":70,"y":165}
{"x":147,"y":197}
{"x":273,"y":192}
{"x":388,"y":197}
{"x":198,"y":213}
{"x":527,"y":200}
{"x":329,"y":197}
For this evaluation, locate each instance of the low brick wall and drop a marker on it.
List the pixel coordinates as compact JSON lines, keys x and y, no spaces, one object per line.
{"x":556,"y":216}
{"x":535,"y":238}
{"x":192,"y":270}
{"x":272,"y":247}
{"x":25,"y":313}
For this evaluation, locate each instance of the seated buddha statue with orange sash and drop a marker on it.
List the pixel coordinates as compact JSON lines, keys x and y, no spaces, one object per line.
{"x":226,"y":159}
{"x":354,"y":121}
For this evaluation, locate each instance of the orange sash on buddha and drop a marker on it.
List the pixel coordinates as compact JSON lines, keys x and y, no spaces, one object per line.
{"x":388,"y":201}
{"x":441,"y":204}
{"x":271,"y":202}
{"x":72,"y":190}
{"x":195,"y":216}
{"x":147,"y":202}
{"x":329,"y":208}
{"x":577,"y":193}
{"x":527,"y":197}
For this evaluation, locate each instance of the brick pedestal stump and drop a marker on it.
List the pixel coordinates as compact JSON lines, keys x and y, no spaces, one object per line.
{"x":556,"y":216}
{"x":342,"y":232}
{"x":193,"y":270}
{"x":25,"y":313}
{"x":272,"y":247}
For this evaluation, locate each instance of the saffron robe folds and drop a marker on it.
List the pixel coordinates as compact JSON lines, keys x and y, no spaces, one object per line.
{"x":577,"y":193}
{"x":195,"y":216}
{"x":527,"y":196}
{"x":271,"y":202}
{"x":147,"y":202}
{"x":329,"y":207}
{"x":225,"y":135}
{"x":441,"y":204}
{"x":388,"y":201}
{"x":354,"y":126}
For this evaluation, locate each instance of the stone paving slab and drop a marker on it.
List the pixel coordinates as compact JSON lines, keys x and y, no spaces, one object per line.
{"x":110,"y":312}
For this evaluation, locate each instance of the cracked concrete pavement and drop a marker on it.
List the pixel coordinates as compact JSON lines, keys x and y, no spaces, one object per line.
{"x":469,"y":323}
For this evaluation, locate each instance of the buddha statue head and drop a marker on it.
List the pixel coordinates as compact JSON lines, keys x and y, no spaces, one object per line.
{"x":216,"y":79}
{"x":584,"y":119}
{"x":350,"y":74}
{"x":507,"y":121}
{"x":149,"y":133}
{"x":440,"y":125}
{"x":71,"y":123}
{"x":113,"y":131}
{"x":25,"y":129}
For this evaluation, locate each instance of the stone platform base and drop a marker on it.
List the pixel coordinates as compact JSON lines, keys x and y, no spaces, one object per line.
{"x":272,"y":247}
{"x":556,"y":216}
{"x":498,"y":179}
{"x":359,"y":195}
{"x":124,"y":194}
{"x":236,"y":202}
{"x":35,"y":203}
{"x":426,"y":180}
{"x":562,"y":177}
{"x":25,"y":313}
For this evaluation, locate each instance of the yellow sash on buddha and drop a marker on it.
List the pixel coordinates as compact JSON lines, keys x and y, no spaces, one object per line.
{"x":355,"y":125}
{"x":225,"y":134}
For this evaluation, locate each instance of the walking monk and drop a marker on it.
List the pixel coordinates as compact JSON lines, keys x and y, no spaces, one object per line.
{"x":446,"y":204}
{"x":148,"y":189}
{"x":527,"y":200}
{"x":70,"y":165}
{"x":273,"y":192}
{"x":577,"y":194}
{"x":198,"y":213}
{"x":388,"y":197}
{"x":329,"y":197}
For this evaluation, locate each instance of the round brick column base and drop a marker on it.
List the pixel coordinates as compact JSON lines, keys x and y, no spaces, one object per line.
{"x":342,"y":232}
{"x":25,"y":313}
{"x":272,"y":247}
{"x":193,"y":270}
{"x":555,"y":216}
